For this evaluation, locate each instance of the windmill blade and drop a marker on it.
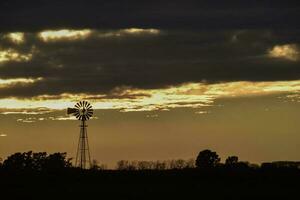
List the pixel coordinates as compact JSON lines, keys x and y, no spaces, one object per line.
{"x":87,"y":117}
{"x":80,"y":103}
{"x":90,"y":106}
{"x":77,"y":105}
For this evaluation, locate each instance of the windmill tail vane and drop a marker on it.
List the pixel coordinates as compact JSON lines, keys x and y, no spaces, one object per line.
{"x":83,"y":111}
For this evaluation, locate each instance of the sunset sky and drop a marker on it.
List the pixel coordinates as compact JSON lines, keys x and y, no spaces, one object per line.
{"x":166,"y":78}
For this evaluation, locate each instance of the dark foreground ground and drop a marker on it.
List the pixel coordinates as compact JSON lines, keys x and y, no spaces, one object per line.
{"x":167,"y":184}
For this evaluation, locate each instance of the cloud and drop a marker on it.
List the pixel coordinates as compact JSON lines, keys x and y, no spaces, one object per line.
{"x":293,"y":97}
{"x":16,"y":37}
{"x":175,"y":14}
{"x":37,"y":119}
{"x":64,"y":34}
{"x":53,"y":117}
{"x":287,"y":51}
{"x":189,"y":95}
{"x":99,"y":65}
{"x":152,"y":116}
{"x":128,"y":32}
{"x":3,"y":135}
{"x":26,"y":120}
{"x":139,"y":31}
{"x":66,"y":118}
{"x":134,"y":55}
{"x":13,"y":55}
{"x":6,"y":83}
{"x":25,"y":111}
{"x":62,"y":118}
{"x":201,"y":112}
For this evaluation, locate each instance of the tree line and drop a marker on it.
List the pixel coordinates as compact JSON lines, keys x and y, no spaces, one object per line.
{"x":206,"y":159}
{"x":40,"y":161}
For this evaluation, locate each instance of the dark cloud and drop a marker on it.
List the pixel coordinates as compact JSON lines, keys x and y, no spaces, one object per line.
{"x":98,"y":65}
{"x":199,"y":41}
{"x":175,"y":14}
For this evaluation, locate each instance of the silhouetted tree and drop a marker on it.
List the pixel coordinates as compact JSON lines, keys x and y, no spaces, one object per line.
{"x":19,"y":162}
{"x":231,"y":160}
{"x":281,"y":164}
{"x":143,"y":165}
{"x":122,"y":165}
{"x":190,"y":163}
{"x":160,"y":165}
{"x":39,"y":160}
{"x":36,"y":161}
{"x":155,"y":165}
{"x":95,"y":166}
{"x":207,"y":159}
{"x":178,"y":164}
{"x":243,"y":165}
{"x":57,"y":161}
{"x":102,"y":167}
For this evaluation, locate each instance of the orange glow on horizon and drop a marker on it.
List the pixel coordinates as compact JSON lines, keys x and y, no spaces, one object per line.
{"x":193,"y":95}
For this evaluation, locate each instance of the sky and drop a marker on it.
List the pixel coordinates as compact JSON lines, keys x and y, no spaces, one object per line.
{"x":166,"y":79}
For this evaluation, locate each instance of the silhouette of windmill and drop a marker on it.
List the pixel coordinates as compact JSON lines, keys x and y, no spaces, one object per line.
{"x":82,"y":111}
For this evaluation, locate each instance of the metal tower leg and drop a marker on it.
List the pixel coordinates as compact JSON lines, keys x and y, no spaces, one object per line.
{"x":83,"y":159}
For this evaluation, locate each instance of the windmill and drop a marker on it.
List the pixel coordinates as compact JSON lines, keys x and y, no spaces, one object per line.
{"x":82,"y":111}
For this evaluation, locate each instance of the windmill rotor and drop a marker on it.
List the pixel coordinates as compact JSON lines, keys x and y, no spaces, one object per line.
{"x":82,"y":110}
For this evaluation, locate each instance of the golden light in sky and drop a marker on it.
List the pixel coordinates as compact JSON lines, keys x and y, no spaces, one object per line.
{"x":141,"y":31}
{"x":9,"y":82}
{"x":16,"y":37}
{"x":287,"y":51}
{"x":192,"y":95}
{"x":52,"y":35}
{"x":13,"y":55}
{"x":66,"y":34}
